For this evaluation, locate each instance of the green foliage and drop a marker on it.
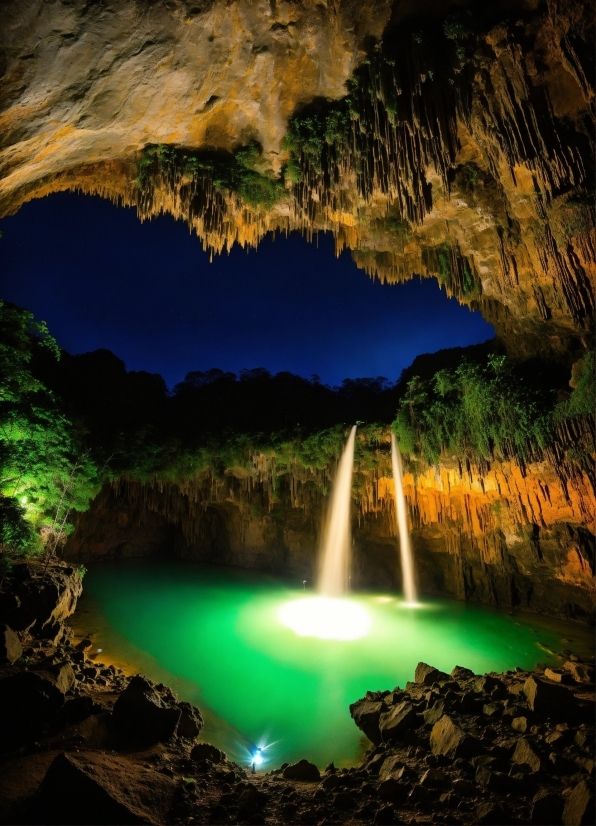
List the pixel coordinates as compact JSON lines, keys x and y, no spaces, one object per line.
{"x":582,"y":401}
{"x":41,"y":471}
{"x":475,"y":411}
{"x":16,"y":533}
{"x":445,"y":262}
{"x":239,"y":173}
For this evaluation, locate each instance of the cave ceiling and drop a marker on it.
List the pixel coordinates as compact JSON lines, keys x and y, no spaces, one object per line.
{"x":435,"y":138}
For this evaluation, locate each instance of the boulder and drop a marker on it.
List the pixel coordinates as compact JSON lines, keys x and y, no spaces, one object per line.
{"x":525,"y":754}
{"x":555,"y":675}
{"x":433,"y":778}
{"x":427,"y":674}
{"x":392,"y":767}
{"x":10,"y":645}
{"x":205,"y":751}
{"x":191,"y":722}
{"x":449,"y":739}
{"x":396,"y":720}
{"x":302,"y":770}
{"x":579,"y":672}
{"x":140,"y":713}
{"x":579,"y":808}
{"x":460,"y":673}
{"x":366,"y":715}
{"x":385,"y":816}
{"x":93,"y":788}
{"x":547,"y":809}
{"x":433,"y":714}
{"x":391,"y":789}
{"x":40,"y":599}
{"x":520,"y":724}
{"x":548,"y":699}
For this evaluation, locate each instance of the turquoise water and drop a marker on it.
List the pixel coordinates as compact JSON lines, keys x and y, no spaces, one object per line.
{"x":215,"y":635}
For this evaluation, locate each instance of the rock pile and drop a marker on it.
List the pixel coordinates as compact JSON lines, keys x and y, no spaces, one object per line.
{"x":499,"y":748}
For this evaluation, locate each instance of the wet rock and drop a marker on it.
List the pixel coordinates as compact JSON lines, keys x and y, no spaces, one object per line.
{"x":547,"y":809}
{"x":449,"y":739}
{"x":93,"y":788}
{"x":525,"y":754}
{"x":428,"y":674}
{"x":191,"y":722}
{"x":366,"y":715}
{"x":548,"y":699}
{"x":205,"y":751}
{"x":579,"y":808}
{"x":10,"y":645}
{"x":140,"y":713}
{"x":400,"y":718}
{"x":302,"y":770}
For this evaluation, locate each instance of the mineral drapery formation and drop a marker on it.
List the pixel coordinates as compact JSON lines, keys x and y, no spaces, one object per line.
{"x":507,"y":534}
{"x":455,"y":144}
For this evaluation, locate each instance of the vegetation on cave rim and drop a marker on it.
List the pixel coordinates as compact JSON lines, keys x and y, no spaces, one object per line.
{"x":487,"y":411}
{"x":401,"y":113}
{"x":198,"y":174}
{"x":44,"y":470}
{"x":68,"y":424}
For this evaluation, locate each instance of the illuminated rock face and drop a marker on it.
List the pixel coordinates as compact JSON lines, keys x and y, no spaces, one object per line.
{"x":506,"y":535}
{"x":487,"y":154}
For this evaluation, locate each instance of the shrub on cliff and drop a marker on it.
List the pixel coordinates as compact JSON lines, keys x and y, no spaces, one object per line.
{"x":475,"y":411}
{"x":44,"y":470}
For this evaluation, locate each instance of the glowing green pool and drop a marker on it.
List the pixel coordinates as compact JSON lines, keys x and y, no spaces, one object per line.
{"x":216,"y":637}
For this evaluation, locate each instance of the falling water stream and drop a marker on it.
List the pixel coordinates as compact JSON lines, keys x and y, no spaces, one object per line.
{"x":407,"y":560}
{"x":334,"y":570}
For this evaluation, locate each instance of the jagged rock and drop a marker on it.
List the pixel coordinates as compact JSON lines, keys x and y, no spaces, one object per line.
{"x":449,"y":739}
{"x":398,"y":719}
{"x":461,"y":673}
{"x":191,"y":722}
{"x":525,"y":754}
{"x":392,"y":767}
{"x":205,"y":751}
{"x":10,"y":645}
{"x":428,"y":674}
{"x":579,"y":808}
{"x":343,"y":800}
{"x":433,"y":715}
{"x":40,"y":602}
{"x":366,"y":715}
{"x":547,"y":808}
{"x":140,"y":713}
{"x":302,"y":770}
{"x":331,"y":782}
{"x":93,"y":788}
{"x":555,"y":675}
{"x":579,"y":672}
{"x":391,"y":789}
{"x":78,"y":709}
{"x":548,"y":699}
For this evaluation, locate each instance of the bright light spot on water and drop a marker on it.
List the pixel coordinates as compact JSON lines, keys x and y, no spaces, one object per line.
{"x":410,"y":605}
{"x":383,"y":599}
{"x":328,"y":619}
{"x":257,"y":760}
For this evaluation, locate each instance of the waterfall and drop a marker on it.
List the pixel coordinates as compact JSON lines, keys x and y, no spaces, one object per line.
{"x":334,"y":567}
{"x":407,"y":561}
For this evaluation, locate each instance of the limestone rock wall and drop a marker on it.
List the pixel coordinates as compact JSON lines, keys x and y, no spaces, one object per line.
{"x":504,"y":534}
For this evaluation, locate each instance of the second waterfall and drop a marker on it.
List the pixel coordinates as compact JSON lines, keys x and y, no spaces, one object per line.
{"x":407,"y":560}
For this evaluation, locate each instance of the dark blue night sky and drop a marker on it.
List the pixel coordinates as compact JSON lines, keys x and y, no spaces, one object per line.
{"x":147,"y":292}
